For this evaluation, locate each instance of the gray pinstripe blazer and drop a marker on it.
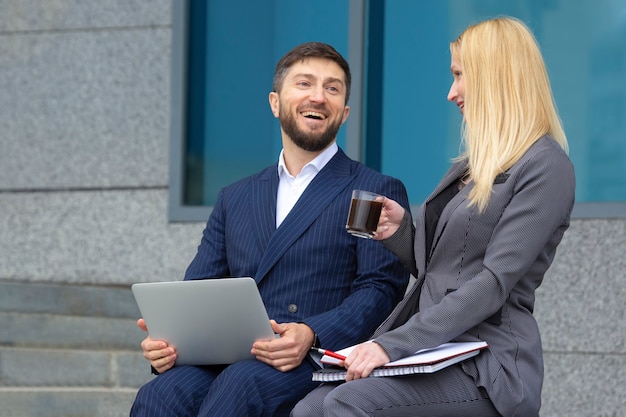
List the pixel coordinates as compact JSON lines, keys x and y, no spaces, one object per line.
{"x":482,"y":275}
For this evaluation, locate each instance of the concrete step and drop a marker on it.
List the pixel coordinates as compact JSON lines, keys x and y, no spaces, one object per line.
{"x":68,"y":316}
{"x":69,"y":350}
{"x":27,"y":367}
{"x":67,"y":299}
{"x":72,"y":332}
{"x":65,"y":402}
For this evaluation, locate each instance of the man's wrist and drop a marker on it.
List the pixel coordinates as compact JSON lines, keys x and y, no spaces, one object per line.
{"x":316,"y":341}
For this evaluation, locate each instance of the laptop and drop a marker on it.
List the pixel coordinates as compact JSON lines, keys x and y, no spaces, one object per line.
{"x":209,"y":321}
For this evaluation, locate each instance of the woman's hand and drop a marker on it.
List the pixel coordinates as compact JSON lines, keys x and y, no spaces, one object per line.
{"x":363,"y":359}
{"x":390,"y":219}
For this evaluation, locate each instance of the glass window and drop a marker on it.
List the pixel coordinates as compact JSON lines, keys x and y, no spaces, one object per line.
{"x":401,"y":122}
{"x":232,"y":47}
{"x":585,"y":52}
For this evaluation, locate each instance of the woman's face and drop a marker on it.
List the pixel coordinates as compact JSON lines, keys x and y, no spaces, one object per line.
{"x":457,"y":90}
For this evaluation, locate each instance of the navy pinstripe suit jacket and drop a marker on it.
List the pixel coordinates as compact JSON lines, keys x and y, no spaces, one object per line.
{"x":309,"y":269}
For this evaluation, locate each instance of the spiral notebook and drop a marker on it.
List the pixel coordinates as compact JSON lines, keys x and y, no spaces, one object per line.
{"x":423,"y":362}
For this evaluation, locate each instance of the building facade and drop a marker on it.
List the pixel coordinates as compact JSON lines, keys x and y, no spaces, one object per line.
{"x":86,"y":110}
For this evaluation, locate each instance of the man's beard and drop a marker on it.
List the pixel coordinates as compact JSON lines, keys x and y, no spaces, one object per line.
{"x":309,"y":141}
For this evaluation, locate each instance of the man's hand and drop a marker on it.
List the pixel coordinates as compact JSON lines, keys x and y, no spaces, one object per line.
{"x":288,"y":351}
{"x":161,"y":356}
{"x":363,"y":359}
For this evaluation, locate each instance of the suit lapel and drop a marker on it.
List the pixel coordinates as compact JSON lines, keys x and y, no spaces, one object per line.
{"x":329,"y":182}
{"x":410,"y":303}
{"x":452,"y":175}
{"x":264,"y":209}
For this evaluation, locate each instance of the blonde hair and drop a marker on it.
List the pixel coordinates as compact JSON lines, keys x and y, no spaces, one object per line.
{"x":508,"y":100}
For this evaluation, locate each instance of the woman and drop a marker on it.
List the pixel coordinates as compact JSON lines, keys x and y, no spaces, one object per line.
{"x":479,"y":249}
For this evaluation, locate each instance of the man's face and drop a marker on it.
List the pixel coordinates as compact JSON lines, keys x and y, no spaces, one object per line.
{"x":311,"y":103}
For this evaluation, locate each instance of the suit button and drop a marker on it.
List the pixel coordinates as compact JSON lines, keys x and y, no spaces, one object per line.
{"x":292,"y":308}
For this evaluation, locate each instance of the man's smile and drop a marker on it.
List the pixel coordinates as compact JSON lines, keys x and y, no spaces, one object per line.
{"x":313,"y":115}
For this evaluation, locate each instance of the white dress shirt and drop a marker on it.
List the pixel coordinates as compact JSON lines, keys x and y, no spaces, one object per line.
{"x":290,"y":188}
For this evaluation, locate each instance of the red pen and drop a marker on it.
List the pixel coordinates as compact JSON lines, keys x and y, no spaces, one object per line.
{"x":329,"y":353}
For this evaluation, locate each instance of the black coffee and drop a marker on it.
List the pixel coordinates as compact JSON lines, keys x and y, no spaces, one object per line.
{"x":364,"y":216}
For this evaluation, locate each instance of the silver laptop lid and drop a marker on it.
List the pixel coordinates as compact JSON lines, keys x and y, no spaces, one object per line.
{"x":209,"y":321}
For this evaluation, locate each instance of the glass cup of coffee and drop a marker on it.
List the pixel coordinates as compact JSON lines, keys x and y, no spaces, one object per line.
{"x":364,"y":213}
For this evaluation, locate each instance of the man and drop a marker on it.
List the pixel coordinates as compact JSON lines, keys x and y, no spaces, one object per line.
{"x":285,"y":226}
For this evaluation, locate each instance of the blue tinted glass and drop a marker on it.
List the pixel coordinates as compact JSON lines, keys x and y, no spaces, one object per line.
{"x":234,"y":46}
{"x":584,"y":45}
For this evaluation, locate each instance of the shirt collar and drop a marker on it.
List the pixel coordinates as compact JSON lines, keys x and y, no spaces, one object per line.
{"x":318,"y":163}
